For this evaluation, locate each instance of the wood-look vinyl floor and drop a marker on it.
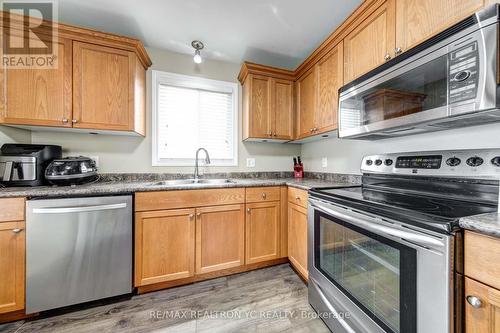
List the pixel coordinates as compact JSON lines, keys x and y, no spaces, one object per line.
{"x":268,"y":300}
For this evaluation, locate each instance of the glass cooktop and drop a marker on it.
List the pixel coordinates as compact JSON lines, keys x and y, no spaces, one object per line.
{"x":436,"y":213}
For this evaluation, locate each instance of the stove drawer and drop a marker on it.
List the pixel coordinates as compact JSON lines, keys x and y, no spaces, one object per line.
{"x":480,"y":254}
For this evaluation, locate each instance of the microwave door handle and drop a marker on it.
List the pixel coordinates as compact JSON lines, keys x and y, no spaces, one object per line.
{"x":19,"y":168}
{"x":413,"y":237}
{"x":82,"y":209}
{"x":7,"y":174}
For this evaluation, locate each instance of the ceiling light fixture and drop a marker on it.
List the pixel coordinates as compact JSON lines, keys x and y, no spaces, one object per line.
{"x":197,"y":45}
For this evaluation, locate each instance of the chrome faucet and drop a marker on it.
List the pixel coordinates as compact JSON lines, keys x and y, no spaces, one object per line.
{"x":207,"y":161}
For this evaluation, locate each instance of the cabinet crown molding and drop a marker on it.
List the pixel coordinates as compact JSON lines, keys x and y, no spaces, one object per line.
{"x":84,"y":35}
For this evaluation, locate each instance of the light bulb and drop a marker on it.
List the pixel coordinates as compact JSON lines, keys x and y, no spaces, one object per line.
{"x":197,"y":57}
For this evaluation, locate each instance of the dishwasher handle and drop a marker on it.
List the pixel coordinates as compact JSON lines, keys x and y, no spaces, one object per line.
{"x":79,"y":209}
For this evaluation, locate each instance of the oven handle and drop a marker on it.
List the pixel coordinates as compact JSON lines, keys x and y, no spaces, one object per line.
{"x":413,"y":237}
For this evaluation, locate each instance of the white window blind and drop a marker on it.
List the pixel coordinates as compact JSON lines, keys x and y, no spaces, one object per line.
{"x":191,"y":113}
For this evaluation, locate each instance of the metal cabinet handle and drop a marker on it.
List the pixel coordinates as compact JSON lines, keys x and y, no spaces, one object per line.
{"x":191,"y":216}
{"x":387,"y":56}
{"x":474,"y":301}
{"x":198,"y":214}
{"x":297,"y":198}
{"x":264,"y":195}
{"x":398,"y":50}
{"x":17,"y":230}
{"x":315,"y":129}
{"x":311,"y":130}
{"x":270,"y":133}
{"x":74,"y":121}
{"x":248,"y":210}
{"x":65,"y":120}
{"x":274,"y":133}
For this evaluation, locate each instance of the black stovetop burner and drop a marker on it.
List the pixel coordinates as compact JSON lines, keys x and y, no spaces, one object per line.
{"x":437,"y":207}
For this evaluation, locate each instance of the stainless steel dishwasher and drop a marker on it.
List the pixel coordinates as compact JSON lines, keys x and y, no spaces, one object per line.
{"x":77,"y":250}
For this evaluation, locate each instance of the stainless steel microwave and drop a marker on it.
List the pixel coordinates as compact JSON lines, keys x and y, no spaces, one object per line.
{"x":449,"y":81}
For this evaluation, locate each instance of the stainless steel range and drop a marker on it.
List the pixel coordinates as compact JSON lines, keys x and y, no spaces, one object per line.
{"x":386,"y":256}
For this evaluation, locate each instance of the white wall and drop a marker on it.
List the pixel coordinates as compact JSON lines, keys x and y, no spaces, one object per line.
{"x":14,"y":135}
{"x":133,"y":154}
{"x":344,"y":156}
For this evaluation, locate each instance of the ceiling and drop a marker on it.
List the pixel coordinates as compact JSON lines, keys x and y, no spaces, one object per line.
{"x":272,"y":32}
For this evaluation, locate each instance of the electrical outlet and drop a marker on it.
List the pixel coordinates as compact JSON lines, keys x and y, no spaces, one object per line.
{"x":324,"y":162}
{"x":250,"y":162}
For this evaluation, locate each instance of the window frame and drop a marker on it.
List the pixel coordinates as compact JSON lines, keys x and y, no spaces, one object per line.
{"x":192,"y":82}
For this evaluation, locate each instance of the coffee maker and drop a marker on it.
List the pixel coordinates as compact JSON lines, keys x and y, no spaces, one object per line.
{"x":24,"y":164}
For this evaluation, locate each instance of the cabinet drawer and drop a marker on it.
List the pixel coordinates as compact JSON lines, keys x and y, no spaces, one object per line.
{"x":12,"y":209}
{"x":263,"y":194}
{"x":145,"y":201}
{"x":480,"y":255}
{"x":298,"y":197}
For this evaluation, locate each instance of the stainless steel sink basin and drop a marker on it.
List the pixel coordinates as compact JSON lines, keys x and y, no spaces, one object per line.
{"x":175,"y":182}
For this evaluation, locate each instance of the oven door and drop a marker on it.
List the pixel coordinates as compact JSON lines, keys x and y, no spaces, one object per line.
{"x":370,"y":275}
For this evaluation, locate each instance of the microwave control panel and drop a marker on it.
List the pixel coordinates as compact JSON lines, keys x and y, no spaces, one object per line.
{"x":463,"y":73}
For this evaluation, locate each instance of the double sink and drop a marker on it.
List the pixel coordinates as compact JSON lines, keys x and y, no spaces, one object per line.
{"x":175,"y":182}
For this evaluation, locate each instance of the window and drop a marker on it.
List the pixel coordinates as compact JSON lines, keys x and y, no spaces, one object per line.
{"x":189,"y":113}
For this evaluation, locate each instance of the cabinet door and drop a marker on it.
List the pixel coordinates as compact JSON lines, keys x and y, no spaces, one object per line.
{"x":282,"y":114}
{"x":220,"y":238}
{"x":368,"y":44}
{"x":484,"y":317}
{"x":40,"y":97}
{"x":417,"y":20}
{"x":306,"y":104}
{"x":297,"y":238}
{"x":262,"y":231}
{"x":12,"y":254}
{"x":330,"y":79}
{"x":259,"y":106}
{"x":103,"y":89}
{"x":164,"y":246}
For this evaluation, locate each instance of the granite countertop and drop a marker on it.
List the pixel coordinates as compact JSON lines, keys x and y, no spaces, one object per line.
{"x":126,"y":185}
{"x":487,"y":224}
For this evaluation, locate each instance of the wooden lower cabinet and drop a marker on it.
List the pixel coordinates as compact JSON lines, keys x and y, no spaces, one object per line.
{"x":12,"y":266}
{"x":164,"y":245}
{"x":297,"y":238}
{"x":485,"y":316}
{"x":262,"y":231}
{"x":220,"y":238}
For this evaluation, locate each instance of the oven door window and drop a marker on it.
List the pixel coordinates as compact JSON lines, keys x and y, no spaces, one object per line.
{"x":376,"y":273}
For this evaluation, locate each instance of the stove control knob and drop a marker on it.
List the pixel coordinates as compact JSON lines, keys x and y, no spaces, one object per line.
{"x":496,"y":161}
{"x":378,"y":162}
{"x":453,"y":161}
{"x":475,"y":161}
{"x":369,"y":162}
{"x":388,"y":162}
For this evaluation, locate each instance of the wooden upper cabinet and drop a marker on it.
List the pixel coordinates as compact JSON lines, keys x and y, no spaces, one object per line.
{"x":262,"y":231}
{"x":282,"y":114}
{"x":483,"y":317}
{"x":98,"y":83}
{"x":371,"y":43}
{"x":39,"y":96}
{"x":260,"y":105}
{"x":220,"y":238}
{"x":164,"y":246}
{"x":103,"y":91}
{"x":306,"y":103}
{"x":417,"y":20}
{"x":12,"y":266}
{"x":330,"y":79}
{"x":267,"y":102}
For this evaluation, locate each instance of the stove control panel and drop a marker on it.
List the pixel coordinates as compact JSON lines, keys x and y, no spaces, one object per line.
{"x":452,"y":163}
